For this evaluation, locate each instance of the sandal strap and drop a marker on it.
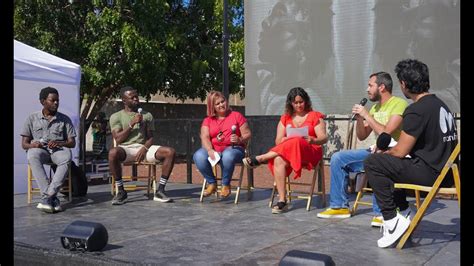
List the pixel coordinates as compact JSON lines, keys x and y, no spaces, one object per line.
{"x":281,"y":204}
{"x":254,"y":161}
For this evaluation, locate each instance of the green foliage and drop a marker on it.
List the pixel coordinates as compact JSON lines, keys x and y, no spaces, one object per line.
{"x":154,"y":46}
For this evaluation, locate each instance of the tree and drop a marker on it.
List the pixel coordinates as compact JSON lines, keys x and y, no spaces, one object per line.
{"x":171,"y":47}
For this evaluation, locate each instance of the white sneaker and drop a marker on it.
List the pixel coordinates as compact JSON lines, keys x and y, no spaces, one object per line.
{"x":393,"y":229}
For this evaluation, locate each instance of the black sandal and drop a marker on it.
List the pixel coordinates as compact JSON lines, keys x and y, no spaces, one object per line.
{"x":280,"y":207}
{"x":251,"y":162}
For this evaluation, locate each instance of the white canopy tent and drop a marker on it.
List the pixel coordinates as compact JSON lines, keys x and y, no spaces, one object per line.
{"x":34,"y":70}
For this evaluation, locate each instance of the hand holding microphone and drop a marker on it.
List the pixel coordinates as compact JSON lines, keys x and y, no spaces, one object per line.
{"x":233,"y":128}
{"x":362,"y":103}
{"x":140,"y":113}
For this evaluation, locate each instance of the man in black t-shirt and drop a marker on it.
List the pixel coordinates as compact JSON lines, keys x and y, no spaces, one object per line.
{"x":428,"y":138}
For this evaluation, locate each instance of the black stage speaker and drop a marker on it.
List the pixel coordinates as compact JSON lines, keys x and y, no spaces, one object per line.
{"x":298,"y":257}
{"x":85,"y":236}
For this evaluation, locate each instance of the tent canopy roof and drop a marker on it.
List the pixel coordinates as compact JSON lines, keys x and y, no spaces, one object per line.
{"x":36,"y":65}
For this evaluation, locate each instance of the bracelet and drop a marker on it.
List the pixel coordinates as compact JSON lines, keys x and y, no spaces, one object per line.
{"x":145,"y":147}
{"x":130,"y":126}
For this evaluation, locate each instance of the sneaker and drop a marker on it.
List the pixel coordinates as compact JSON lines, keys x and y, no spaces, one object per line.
{"x":46,"y":205}
{"x":393,"y":229}
{"x":335,"y":213}
{"x":120,"y":198}
{"x":280,"y":207}
{"x":161,"y":197}
{"x":56,"y":204}
{"x":377,"y":221}
{"x":409,"y":212}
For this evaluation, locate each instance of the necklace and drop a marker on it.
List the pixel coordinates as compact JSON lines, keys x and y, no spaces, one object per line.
{"x":220,"y":121}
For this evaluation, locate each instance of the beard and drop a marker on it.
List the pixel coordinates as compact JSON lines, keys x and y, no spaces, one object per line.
{"x":375,"y":97}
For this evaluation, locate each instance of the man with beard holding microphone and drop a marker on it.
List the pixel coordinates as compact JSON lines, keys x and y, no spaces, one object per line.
{"x":384,"y":116}
{"x":132,"y":129}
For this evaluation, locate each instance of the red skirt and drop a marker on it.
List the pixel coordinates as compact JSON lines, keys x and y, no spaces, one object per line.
{"x":298,"y":153}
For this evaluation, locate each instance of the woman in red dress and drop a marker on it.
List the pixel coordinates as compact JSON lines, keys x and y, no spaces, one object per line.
{"x":292,"y":153}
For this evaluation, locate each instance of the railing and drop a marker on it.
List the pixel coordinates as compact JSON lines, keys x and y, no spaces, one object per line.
{"x":183,"y":136}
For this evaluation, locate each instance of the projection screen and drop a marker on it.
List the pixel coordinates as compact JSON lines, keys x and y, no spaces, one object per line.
{"x":330,"y":47}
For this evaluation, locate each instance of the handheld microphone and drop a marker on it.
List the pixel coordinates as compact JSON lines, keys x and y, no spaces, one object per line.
{"x":383,"y":141}
{"x":233,"y":128}
{"x":362,"y":102}
{"x":140,"y":112}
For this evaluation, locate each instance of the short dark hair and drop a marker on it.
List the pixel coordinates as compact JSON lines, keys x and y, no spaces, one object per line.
{"x":297,"y":91}
{"x":46,"y":91}
{"x":415,"y":74}
{"x":125,"y":89}
{"x":383,"y":78}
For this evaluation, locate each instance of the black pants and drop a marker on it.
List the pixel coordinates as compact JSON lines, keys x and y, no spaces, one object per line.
{"x":384,"y":170}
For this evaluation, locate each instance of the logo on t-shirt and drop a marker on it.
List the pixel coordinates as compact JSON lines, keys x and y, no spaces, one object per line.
{"x":447,"y":125}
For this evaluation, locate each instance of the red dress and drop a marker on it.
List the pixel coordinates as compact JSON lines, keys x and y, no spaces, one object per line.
{"x":297,"y":151}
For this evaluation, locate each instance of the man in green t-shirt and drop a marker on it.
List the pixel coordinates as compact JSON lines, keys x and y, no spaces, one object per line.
{"x":132,"y":130}
{"x":384,"y":116}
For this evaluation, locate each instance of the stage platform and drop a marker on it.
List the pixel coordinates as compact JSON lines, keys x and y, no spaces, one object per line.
{"x":187,"y":232}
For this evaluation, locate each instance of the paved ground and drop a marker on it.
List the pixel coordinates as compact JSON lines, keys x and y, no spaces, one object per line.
{"x":188,"y":232}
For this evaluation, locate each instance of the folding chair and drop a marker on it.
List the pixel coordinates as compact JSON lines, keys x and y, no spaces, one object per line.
{"x":416,"y":188}
{"x":361,"y":189}
{"x":318,"y":171}
{"x":134,"y":177}
{"x":219,"y":180}
{"x":66,"y":188}
{"x":433,"y":190}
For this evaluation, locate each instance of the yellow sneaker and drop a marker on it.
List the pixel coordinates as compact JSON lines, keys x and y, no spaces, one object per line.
{"x":335,"y":213}
{"x":377,"y":221}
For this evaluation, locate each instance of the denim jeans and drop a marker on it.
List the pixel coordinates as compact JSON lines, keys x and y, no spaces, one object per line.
{"x":229,"y":157}
{"x":37,"y":157}
{"x":343,"y":163}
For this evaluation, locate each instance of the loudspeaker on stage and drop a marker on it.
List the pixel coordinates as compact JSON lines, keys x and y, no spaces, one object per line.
{"x":299,"y":257}
{"x":85,"y":236}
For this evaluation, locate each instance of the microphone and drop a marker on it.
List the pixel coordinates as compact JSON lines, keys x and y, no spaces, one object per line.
{"x":383,"y":141}
{"x":362,"y":102}
{"x":233,"y":128}
{"x":140,"y":112}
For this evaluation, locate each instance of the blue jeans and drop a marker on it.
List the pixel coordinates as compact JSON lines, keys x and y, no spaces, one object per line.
{"x":229,"y":157}
{"x":343,"y":163}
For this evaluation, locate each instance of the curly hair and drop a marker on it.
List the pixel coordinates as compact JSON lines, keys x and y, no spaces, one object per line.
{"x":46,"y":91}
{"x":125,"y":89}
{"x":297,"y":91}
{"x":415,"y":74}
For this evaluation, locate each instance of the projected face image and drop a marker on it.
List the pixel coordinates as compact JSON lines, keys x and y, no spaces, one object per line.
{"x":434,"y":27}
{"x":284,"y":32}
{"x":294,"y":47}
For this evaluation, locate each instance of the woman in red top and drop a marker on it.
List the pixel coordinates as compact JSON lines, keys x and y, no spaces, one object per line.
{"x":292,"y":153}
{"x":224,"y":132}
